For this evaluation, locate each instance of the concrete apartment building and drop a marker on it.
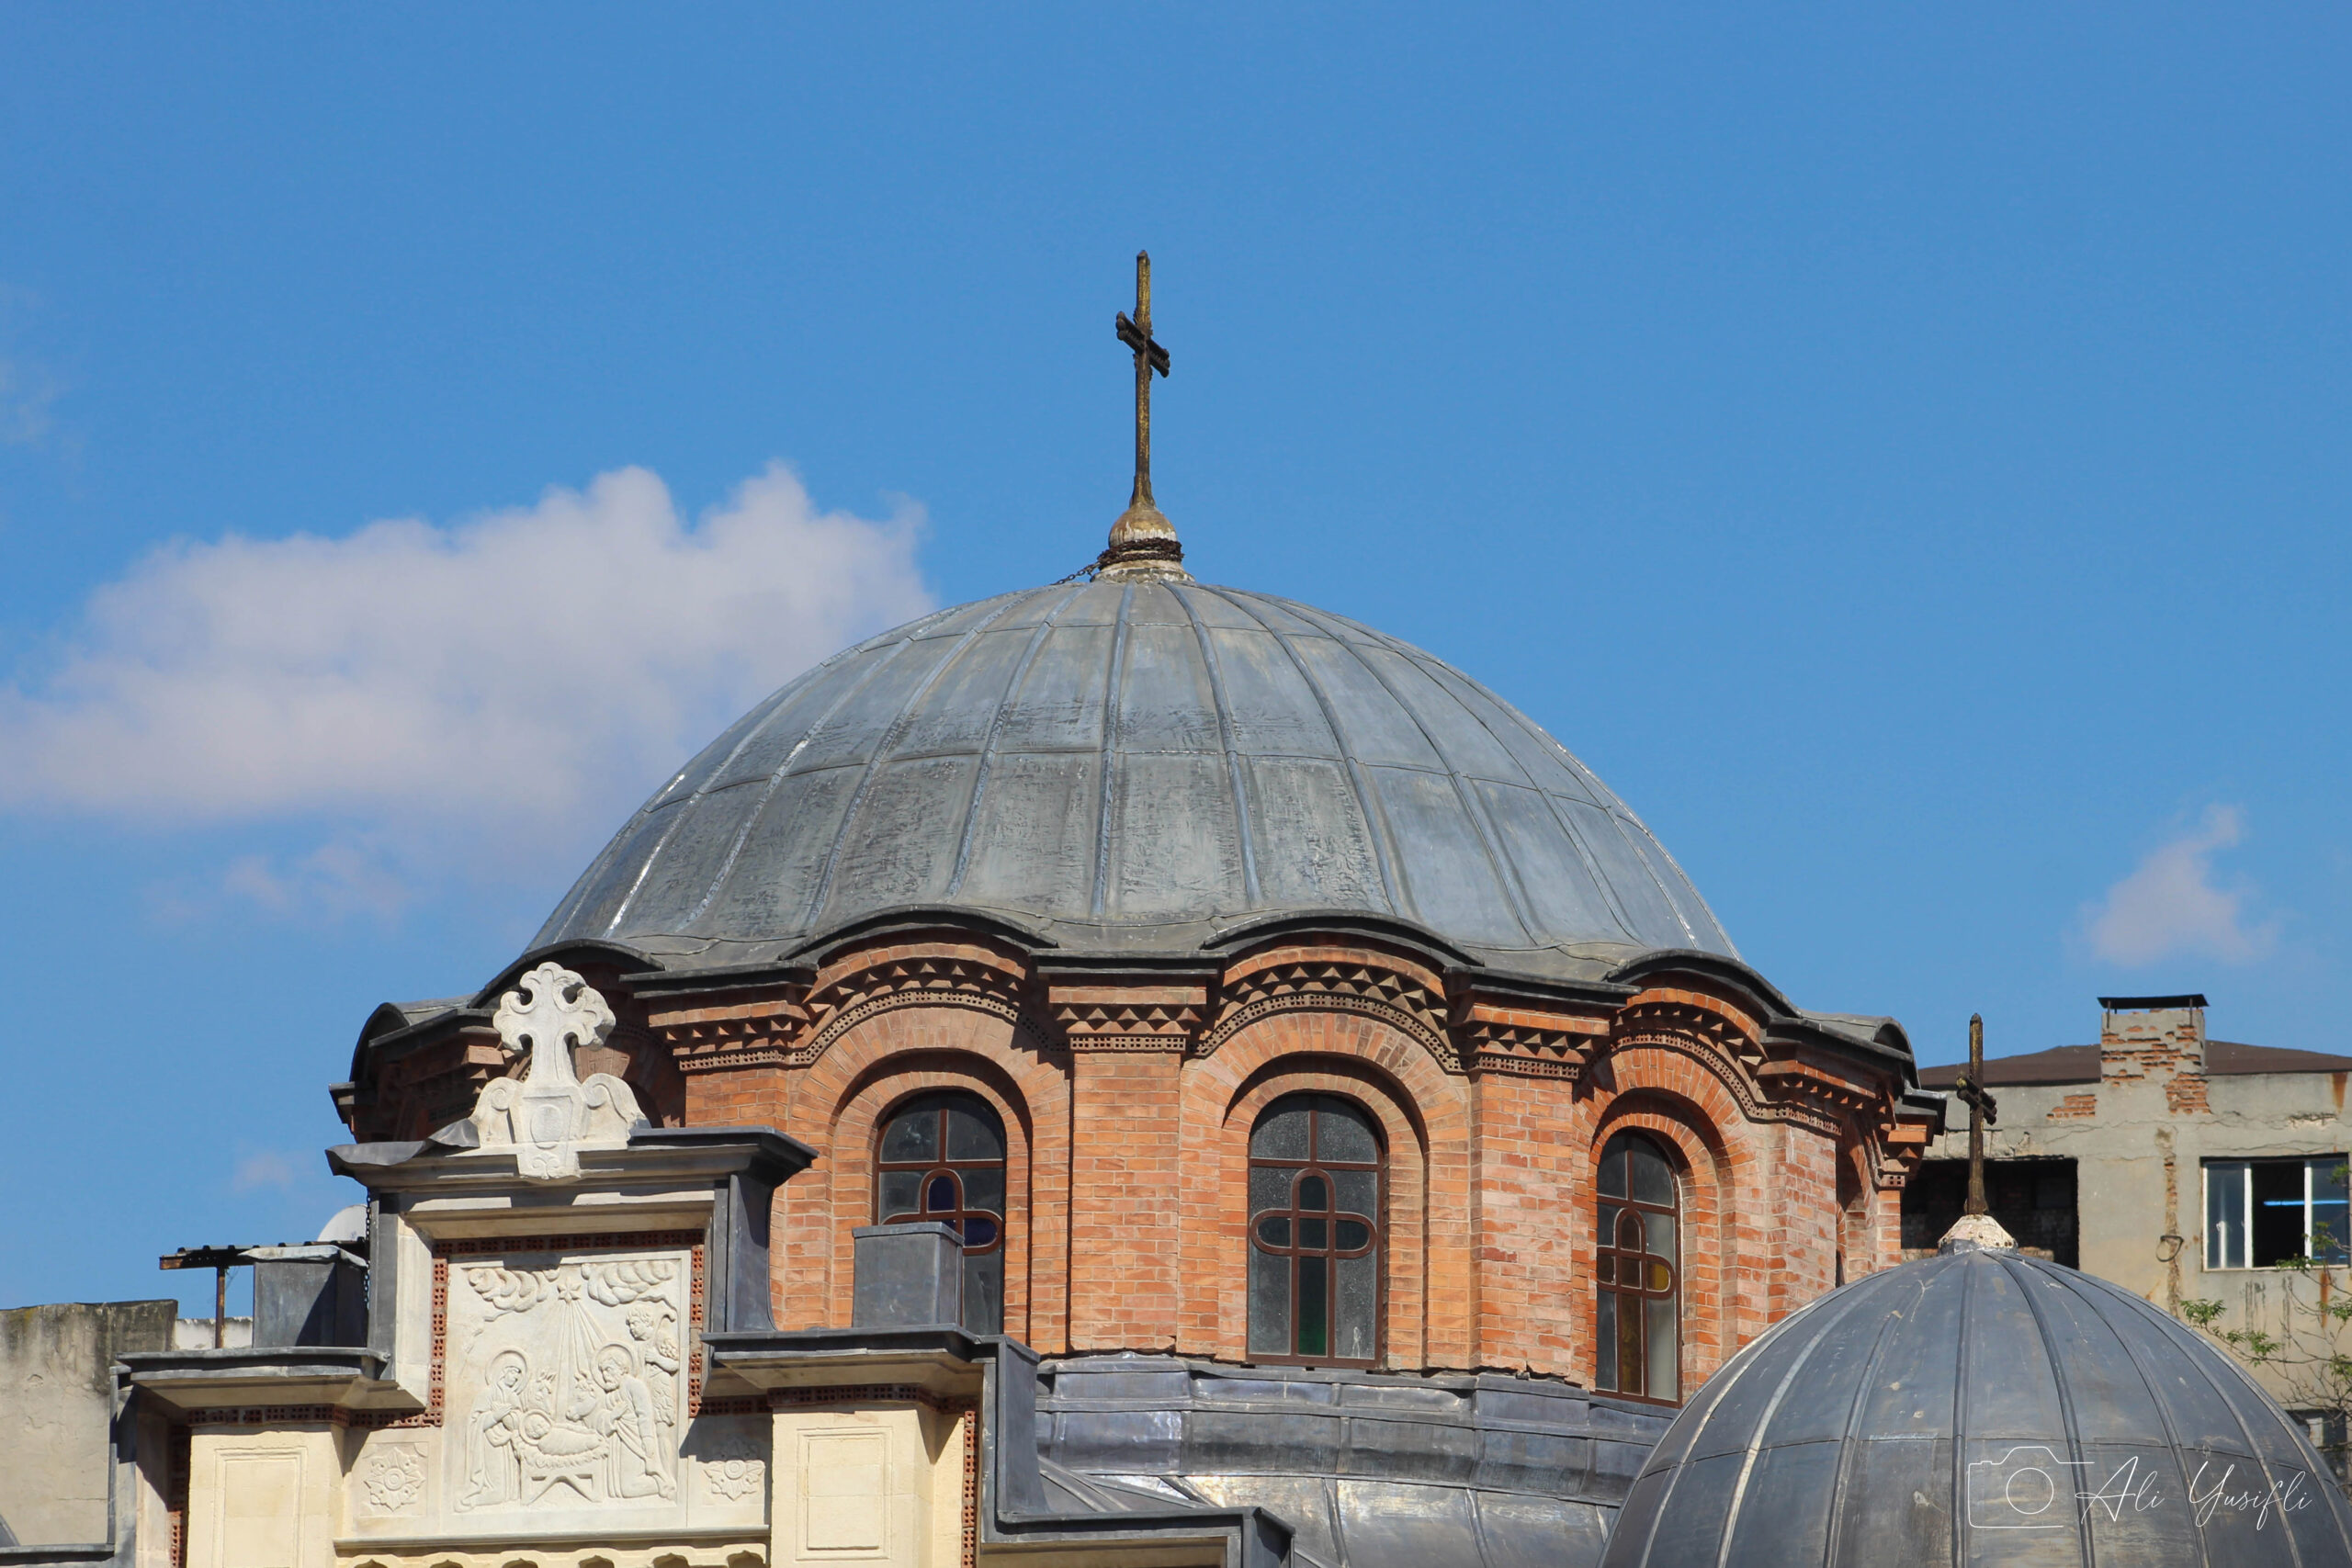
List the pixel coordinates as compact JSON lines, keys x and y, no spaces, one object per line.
{"x":2189,"y":1169}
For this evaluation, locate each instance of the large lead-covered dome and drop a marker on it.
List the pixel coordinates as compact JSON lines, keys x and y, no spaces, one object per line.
{"x":1138,"y":765}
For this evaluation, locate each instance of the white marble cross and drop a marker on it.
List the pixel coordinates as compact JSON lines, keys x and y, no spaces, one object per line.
{"x":552,"y":1011}
{"x":546,"y":1118}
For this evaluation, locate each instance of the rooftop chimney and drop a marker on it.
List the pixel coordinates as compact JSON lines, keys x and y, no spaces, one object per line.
{"x":2155,"y":1039}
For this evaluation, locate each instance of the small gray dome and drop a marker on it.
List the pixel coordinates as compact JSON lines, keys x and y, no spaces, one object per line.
{"x":1138,"y":765}
{"x":1983,"y":1408}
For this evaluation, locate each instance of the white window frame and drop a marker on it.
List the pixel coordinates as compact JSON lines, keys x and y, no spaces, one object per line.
{"x":2217,"y":1244}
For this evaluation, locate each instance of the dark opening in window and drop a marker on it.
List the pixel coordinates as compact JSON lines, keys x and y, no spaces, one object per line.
{"x":941,"y":1157}
{"x":1638,"y":1338}
{"x":1315,"y":1233}
{"x":2262,"y":1213}
{"x":2032,"y":1199}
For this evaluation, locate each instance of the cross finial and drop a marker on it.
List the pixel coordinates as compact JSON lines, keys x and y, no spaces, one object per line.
{"x":551,"y":1010}
{"x":1143,"y":541}
{"x":1977,"y":1226}
{"x":1982,"y":1110}
{"x":545,"y":1119}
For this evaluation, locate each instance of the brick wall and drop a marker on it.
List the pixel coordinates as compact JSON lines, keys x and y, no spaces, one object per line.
{"x":1126,"y":1199}
{"x":1128,"y":1123}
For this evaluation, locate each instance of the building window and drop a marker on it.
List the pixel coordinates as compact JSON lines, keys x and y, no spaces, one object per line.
{"x":2032,"y":1199}
{"x":2262,"y":1213}
{"x":1637,"y":1333}
{"x":1315,"y":1233}
{"x":941,"y":1157}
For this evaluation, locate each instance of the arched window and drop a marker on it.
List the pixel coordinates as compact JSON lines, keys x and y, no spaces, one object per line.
{"x":941,"y":1157}
{"x":1638,"y":1335}
{"x":1315,"y":1233}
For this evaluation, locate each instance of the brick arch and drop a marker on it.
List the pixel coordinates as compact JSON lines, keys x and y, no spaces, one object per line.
{"x":888,"y":1084}
{"x":1687,"y":1109}
{"x":836,"y":1109}
{"x":1870,"y":1218}
{"x":1430,"y":1305}
{"x":1218,"y":1272}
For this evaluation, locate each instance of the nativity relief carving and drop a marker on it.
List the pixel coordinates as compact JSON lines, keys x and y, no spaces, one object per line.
{"x":576,"y":1373}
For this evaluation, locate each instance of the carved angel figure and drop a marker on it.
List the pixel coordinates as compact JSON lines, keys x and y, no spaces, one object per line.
{"x":654,"y":1329}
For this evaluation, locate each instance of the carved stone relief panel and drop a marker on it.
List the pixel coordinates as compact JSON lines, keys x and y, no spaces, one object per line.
{"x":567,"y":1380}
{"x":567,"y":1407}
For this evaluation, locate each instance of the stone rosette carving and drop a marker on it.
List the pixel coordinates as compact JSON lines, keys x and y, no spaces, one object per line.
{"x":734,"y":1469}
{"x":572,"y":1383}
{"x":546,"y":1118}
{"x":395,"y":1478}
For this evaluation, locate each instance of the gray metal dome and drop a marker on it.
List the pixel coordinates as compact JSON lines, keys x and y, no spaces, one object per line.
{"x":1138,"y":765}
{"x":1983,"y":1408}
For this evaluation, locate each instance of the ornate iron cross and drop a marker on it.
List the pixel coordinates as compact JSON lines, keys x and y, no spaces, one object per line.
{"x":1983,"y":1111}
{"x":1149,"y":356}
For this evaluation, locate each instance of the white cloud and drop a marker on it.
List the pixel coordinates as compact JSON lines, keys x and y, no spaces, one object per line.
{"x":532,"y":670}
{"x":26,"y":393}
{"x":2171,"y":907}
{"x":350,"y":873}
{"x":264,"y":1167}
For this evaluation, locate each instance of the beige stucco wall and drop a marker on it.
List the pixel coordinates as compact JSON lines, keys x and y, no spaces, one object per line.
{"x":56,"y":1407}
{"x":2139,"y":1144}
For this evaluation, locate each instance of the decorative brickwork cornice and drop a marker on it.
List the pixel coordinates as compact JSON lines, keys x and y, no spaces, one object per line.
{"x":758,"y":1030}
{"x":1718,"y":1037}
{"x":1894,"y":1139}
{"x":869,"y":985}
{"x":1400,"y":993}
{"x":1146,"y":1016}
{"x":791,"y":1026}
{"x":1793,"y":1079}
{"x":1494,"y":1038}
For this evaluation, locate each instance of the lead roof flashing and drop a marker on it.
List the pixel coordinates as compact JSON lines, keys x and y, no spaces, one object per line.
{"x":912,"y":918}
{"x":1262,"y":929}
{"x":573,"y":952}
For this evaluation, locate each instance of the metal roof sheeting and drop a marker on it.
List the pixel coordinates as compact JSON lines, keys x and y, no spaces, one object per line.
{"x":1977,"y":1408}
{"x":1138,"y":765}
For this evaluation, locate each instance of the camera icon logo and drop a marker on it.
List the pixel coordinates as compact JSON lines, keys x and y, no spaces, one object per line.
{"x":2024,"y":1487}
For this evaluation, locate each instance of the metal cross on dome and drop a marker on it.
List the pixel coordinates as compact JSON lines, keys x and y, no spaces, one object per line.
{"x":1149,"y":356}
{"x":1983,"y":1111}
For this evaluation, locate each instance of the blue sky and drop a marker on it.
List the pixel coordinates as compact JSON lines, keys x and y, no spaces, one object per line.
{"x":1902,"y":450}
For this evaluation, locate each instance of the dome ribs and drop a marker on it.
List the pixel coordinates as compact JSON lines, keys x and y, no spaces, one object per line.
{"x":1498,"y":867}
{"x":884,"y":745}
{"x":988,"y":742}
{"x":1270,"y":758}
{"x":1375,"y":821}
{"x":1224,"y":734}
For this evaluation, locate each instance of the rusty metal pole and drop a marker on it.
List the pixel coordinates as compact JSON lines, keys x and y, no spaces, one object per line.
{"x":220,"y":1304}
{"x":1975,"y":1115}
